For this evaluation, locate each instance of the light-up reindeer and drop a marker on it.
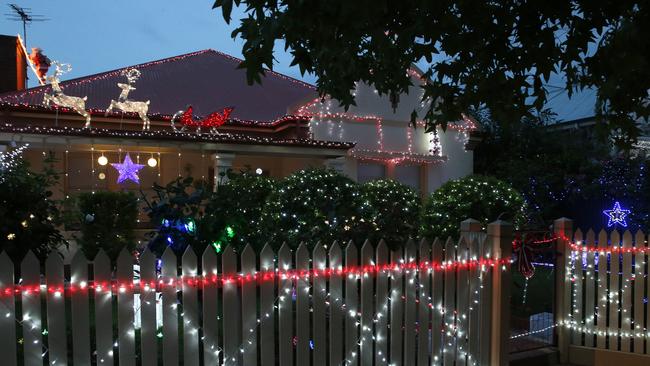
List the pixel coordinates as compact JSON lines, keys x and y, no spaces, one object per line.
{"x":126,"y":105}
{"x":59,"y":98}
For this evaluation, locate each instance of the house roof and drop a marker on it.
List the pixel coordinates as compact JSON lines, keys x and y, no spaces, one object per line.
{"x":208,"y":80}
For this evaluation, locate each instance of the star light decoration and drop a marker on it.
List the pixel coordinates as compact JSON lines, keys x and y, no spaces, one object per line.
{"x":128,"y":170}
{"x":616,"y":215}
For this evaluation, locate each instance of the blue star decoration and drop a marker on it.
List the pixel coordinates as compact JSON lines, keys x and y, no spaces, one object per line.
{"x":128,"y":170}
{"x":616,"y":215}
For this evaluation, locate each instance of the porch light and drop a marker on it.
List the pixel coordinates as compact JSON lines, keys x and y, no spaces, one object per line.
{"x":102,"y":160}
{"x":152,"y":162}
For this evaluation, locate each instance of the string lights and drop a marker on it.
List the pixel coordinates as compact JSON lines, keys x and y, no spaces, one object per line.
{"x":172,"y":136}
{"x":259,"y":277}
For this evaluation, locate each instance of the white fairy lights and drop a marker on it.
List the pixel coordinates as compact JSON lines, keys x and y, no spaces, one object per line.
{"x":126,"y":105}
{"x":57,"y":97}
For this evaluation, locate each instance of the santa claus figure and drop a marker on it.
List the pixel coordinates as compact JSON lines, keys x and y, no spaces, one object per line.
{"x":40,"y":62}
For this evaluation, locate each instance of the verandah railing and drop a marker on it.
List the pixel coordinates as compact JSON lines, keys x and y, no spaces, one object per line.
{"x":439,"y":303}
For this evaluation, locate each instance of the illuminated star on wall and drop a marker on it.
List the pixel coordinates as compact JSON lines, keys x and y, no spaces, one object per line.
{"x":128,"y":170}
{"x":616,"y":215}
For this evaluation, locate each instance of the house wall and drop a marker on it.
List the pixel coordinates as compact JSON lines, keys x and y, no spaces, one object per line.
{"x":361,"y":124}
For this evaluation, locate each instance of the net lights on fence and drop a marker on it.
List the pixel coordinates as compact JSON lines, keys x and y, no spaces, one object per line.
{"x":351,"y":272}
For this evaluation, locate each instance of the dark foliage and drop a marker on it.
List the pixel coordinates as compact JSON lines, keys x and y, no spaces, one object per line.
{"x":494,"y":54}
{"x":28,"y":215}
{"x":108,"y":221}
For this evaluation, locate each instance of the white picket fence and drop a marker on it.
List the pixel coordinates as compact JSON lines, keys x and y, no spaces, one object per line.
{"x":437,"y":303}
{"x":607,"y":288}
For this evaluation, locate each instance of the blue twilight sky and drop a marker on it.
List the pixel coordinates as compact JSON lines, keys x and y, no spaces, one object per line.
{"x":95,"y":36}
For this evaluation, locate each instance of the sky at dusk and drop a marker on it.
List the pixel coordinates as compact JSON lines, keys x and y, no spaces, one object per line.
{"x":96,"y":36}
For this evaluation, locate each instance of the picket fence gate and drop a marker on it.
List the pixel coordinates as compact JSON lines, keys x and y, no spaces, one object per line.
{"x":437,"y":303}
{"x":603,"y":290}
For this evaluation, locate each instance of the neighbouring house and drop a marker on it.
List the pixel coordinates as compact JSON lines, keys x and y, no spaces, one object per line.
{"x":275,"y":128}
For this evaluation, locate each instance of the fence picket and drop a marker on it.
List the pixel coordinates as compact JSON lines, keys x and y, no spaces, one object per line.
{"x":31,"y":308}
{"x":474,"y":304}
{"x":647,"y":304}
{"x":626,"y":291}
{"x":103,"y":308}
{"x":424,"y":314}
{"x":285,"y":308}
{"x":367,"y":306}
{"x":169,"y":275}
{"x":190,"y":309}
{"x":381,"y":306}
{"x":302,"y":305}
{"x":249,"y":306}
{"x":578,"y":286}
{"x":639,"y":277}
{"x":211,"y":348}
{"x":232,"y":323}
{"x":352,"y":307}
{"x":328,"y":310}
{"x":8,"y":318}
{"x":602,"y":292}
{"x":462,"y":301}
{"x":397,"y":310}
{"x":336,"y":310}
{"x":590,"y":282}
{"x":614,"y":292}
{"x":56,"y":322}
{"x":267,"y":306}
{"x":436,"y":301}
{"x":320,"y":311}
{"x":148,"y":342}
{"x":449,"y":317}
{"x":410,"y":309}
{"x":125,"y":316}
{"x":485,"y":302}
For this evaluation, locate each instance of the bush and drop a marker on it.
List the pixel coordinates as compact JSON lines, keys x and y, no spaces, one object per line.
{"x":28,"y":215}
{"x":176,"y":208}
{"x":233,"y":213}
{"x":108,"y":221}
{"x":390,"y":211}
{"x":312,"y":205}
{"x":482,"y":198}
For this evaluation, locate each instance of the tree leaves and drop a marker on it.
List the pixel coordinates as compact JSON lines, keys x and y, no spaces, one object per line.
{"x":494,"y":55}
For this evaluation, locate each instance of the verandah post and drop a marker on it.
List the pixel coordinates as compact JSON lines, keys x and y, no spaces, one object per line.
{"x":563,"y":229}
{"x":500,"y":236}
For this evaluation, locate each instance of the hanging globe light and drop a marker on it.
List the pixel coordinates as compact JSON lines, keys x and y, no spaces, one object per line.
{"x":102,"y":160}
{"x":152,"y":162}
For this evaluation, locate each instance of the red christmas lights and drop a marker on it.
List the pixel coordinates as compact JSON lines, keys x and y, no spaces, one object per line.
{"x":577,"y":247}
{"x":221,"y":280}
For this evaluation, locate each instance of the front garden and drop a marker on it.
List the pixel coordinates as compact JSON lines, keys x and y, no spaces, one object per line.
{"x":308,"y":206}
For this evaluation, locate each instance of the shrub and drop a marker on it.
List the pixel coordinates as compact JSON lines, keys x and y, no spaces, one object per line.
{"x":390,"y":211}
{"x":478,"y":197}
{"x":28,"y":215}
{"x":176,"y":208}
{"x":108,"y":221}
{"x":233,"y":213}
{"x":312,"y":205}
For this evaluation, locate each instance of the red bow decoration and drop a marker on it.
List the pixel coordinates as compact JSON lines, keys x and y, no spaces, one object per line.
{"x":526,"y":245}
{"x":214,"y":119}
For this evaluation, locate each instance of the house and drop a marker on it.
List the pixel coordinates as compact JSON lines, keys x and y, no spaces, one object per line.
{"x":275,"y":128}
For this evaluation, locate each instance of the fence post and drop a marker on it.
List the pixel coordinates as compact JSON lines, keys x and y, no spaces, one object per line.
{"x":500,"y":237}
{"x":563,"y":228}
{"x":470,"y":229}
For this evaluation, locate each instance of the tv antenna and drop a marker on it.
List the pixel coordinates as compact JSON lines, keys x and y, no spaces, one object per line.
{"x":24,"y":15}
